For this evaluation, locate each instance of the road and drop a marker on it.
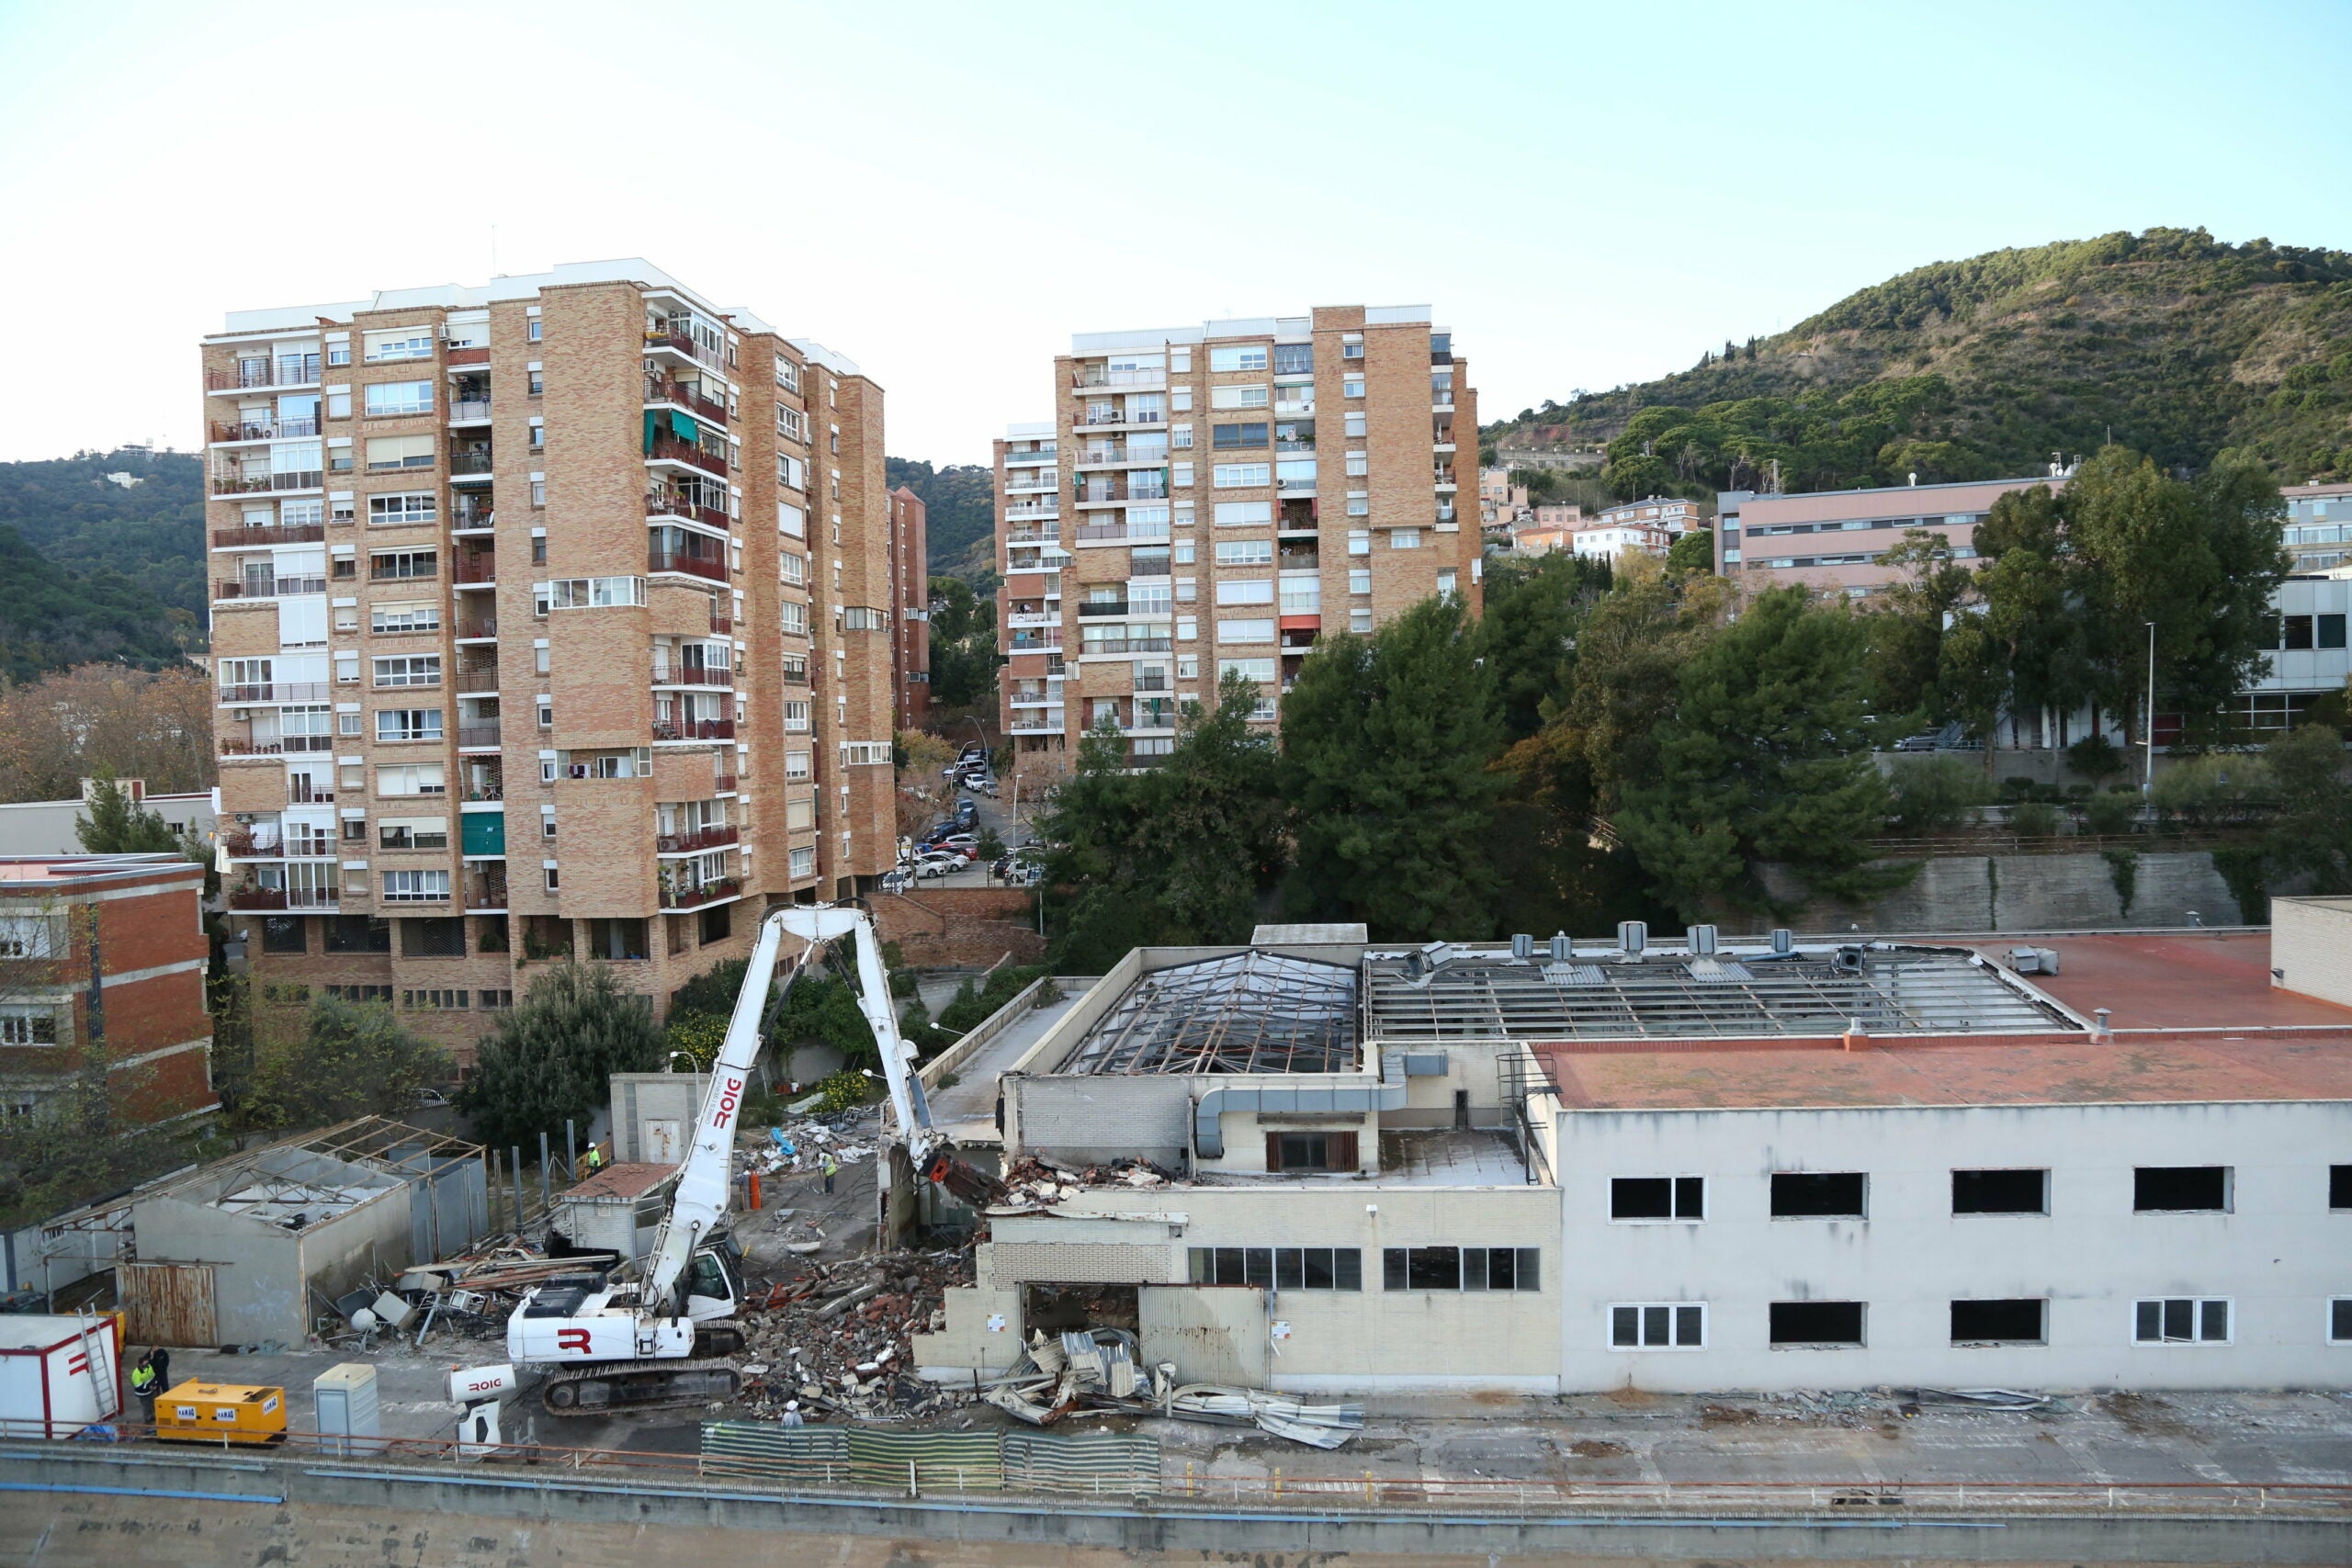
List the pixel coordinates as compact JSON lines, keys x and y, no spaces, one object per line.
{"x":996,"y":814}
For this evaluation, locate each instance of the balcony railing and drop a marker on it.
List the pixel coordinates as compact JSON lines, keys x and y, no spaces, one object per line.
{"x":263,"y":429}
{"x":705,"y":893}
{"x":671,"y":449}
{"x":709,"y":568}
{"x":486,"y":888}
{"x":261,"y":538}
{"x":476,"y":355}
{"x":263,"y":484}
{"x":694,"y":729}
{"x":668,"y":674}
{"x":1086,"y":419}
{"x":716,"y":836}
{"x":1117,"y":377}
{"x":722,"y":784}
{"x":670,"y":337}
{"x":491,"y":788}
{"x":284,"y":745}
{"x":1034,"y":725}
{"x":409,"y":571}
{"x":1034,"y":644}
{"x":282,"y":897}
{"x":474,"y":682}
{"x":474,"y":566}
{"x":671,"y":502}
{"x":1309,"y":560}
{"x":662,"y":389}
{"x":269,"y":588}
{"x":256,"y":373}
{"x":275,"y":692}
{"x":482,"y":629}
{"x":469,"y":461}
{"x":478,"y":734}
{"x":1126,"y":645}
{"x":1050,"y":512}
{"x":471,"y":512}
{"x":1103,"y":607}
{"x":721,"y":620}
{"x":469,"y":411}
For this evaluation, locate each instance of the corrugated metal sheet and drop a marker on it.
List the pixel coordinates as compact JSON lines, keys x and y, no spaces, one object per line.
{"x":167,"y":1304}
{"x":1082,"y":1461}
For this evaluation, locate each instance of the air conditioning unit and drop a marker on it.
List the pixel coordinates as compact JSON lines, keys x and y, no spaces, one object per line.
{"x":242,"y":715}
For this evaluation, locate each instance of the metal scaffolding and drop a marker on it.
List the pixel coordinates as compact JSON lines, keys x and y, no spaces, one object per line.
{"x":1896,"y":991}
{"x":1249,"y":1012}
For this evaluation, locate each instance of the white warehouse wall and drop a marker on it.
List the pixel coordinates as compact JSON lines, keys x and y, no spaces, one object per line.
{"x":2280,"y":1254}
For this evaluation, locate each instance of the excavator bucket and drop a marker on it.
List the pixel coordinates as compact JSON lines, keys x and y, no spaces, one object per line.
{"x":966,"y":1184}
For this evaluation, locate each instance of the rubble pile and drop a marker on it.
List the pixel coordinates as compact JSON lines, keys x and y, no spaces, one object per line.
{"x":474,"y":1293}
{"x":839,"y":1338}
{"x":1037,"y":1184}
{"x":800,"y":1147}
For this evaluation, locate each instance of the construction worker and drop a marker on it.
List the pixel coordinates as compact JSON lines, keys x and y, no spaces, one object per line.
{"x":792,"y":1413}
{"x":143,"y":1383}
{"x":163,"y":1360}
{"x":595,"y":1159}
{"x":831,"y":1168}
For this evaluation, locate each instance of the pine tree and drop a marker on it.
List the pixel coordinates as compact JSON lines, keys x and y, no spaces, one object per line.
{"x":553,"y":1055}
{"x":115,"y":825}
{"x":348,"y":1059}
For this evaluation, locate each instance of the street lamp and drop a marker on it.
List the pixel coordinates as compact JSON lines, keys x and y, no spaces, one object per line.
{"x":2148,"y":776}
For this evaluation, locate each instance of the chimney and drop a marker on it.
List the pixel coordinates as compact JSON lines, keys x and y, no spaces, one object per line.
{"x":1858,"y":1038}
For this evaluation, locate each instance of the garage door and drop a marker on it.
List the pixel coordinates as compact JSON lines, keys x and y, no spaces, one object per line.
{"x":167,"y":1304}
{"x":1214,"y":1333}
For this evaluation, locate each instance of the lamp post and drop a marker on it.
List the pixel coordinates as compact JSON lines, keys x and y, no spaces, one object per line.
{"x":2148,"y":775}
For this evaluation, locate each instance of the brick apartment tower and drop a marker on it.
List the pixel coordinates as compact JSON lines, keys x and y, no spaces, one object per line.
{"x":152,"y":1031}
{"x":550,"y":616}
{"x":911,"y":596}
{"x":1221,"y":496}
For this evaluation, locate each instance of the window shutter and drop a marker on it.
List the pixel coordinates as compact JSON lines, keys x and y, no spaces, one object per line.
{"x":1341,"y":1153}
{"x":1273,"y":1151}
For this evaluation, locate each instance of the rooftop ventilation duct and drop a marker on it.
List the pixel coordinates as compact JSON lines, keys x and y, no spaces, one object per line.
{"x":1522,"y":946}
{"x":1564,"y":947}
{"x":1700,"y":939}
{"x":1784,"y":940}
{"x":1632,"y":936}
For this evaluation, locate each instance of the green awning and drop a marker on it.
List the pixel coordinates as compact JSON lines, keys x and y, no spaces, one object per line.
{"x":681,"y":425}
{"x":652,"y":424}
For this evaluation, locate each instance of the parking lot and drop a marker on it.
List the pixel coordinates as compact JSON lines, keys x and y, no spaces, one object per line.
{"x":995,"y":814}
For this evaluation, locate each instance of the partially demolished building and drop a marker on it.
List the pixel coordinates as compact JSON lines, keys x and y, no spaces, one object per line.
{"x":1317,"y":1163}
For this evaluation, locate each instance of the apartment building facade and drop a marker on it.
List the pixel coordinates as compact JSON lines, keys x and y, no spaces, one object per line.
{"x":550,"y":618}
{"x":2319,"y":526}
{"x":1211,"y":499}
{"x":910,"y":607}
{"x":1675,"y":516}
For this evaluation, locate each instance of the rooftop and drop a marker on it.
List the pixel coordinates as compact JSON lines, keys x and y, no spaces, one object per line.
{"x":57,"y":873}
{"x":1243,"y":1013}
{"x":626,"y":1180}
{"x":2175,"y":980}
{"x":2075,"y":1072}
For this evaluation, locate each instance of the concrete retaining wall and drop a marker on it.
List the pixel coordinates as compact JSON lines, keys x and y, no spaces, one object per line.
{"x":2023,"y":892}
{"x":95,"y":1509}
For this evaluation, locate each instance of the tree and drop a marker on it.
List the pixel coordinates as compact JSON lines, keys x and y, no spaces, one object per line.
{"x":346,"y":1059}
{"x":116,"y":825}
{"x":1907,"y":628}
{"x":553,"y":1055}
{"x":1764,"y":757}
{"x":1213,"y":826}
{"x":923,"y":783}
{"x":1534,"y":608}
{"x":1630,"y":652}
{"x":2312,"y":836}
{"x":1695,"y":551}
{"x":1386,"y":741}
{"x":2027,"y":648}
{"x":77,"y":724}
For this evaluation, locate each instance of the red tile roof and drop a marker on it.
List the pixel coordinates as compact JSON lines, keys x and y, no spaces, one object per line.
{"x":622,"y":1181}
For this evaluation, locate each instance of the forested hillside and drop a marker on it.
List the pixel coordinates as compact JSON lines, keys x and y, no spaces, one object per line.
{"x":151,"y":533}
{"x":52,"y":618}
{"x":961,"y":498}
{"x":2170,"y":342}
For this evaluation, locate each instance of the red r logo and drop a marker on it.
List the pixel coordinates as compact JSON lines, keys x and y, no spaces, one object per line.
{"x":575,"y":1340}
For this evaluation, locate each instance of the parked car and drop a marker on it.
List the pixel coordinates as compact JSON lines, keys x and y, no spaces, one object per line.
{"x":937,"y":831}
{"x":965,"y":844}
{"x":898,"y":881}
{"x":937,"y":865}
{"x":1916,"y":743}
{"x":973,"y":751}
{"x":431,"y":1100}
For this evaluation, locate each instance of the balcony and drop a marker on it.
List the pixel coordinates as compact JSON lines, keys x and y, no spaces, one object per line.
{"x":662,"y":389}
{"x":708,"y":892}
{"x":670,"y":449}
{"x":1035,"y":512}
{"x":709,"y":568}
{"x":476,"y":567}
{"x":669,"y":500}
{"x":1103,"y":607}
{"x":1037,"y":725}
{"x":1299,"y":561}
{"x":275,"y":692}
{"x":722,"y":620}
{"x":275,"y":746}
{"x":694,"y":729}
{"x":269,"y":588}
{"x":301,"y":371}
{"x":263,"y":429}
{"x":1098,"y":378}
{"x":457,"y":357}
{"x":1025,"y":459}
{"x":469,"y":411}
{"x":1037,"y":644}
{"x":282,"y":897}
{"x":1086,"y":419}
{"x":683,"y":675}
{"x":716,"y":836}
{"x":469,"y":462}
{"x":264,"y":484}
{"x":489,"y":784}
{"x":1030,"y":482}
{"x":1125,"y":645}
{"x":485,"y":889}
{"x":261,"y":538}
{"x":675,"y":339}
{"x":723,"y":783}
{"x":482,"y":736}
{"x":477,"y":683}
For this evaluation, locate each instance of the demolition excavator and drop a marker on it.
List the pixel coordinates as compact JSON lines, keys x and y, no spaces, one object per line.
{"x":665,"y":1338}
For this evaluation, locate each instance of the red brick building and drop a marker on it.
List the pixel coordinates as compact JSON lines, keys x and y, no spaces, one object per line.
{"x":911,"y":594}
{"x":139,"y":1006}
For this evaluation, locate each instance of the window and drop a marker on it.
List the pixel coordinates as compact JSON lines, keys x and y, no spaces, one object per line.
{"x":1657,"y":1197}
{"x":437,"y":938}
{"x":1234,"y":438}
{"x":1816,"y":1195}
{"x":1277,"y":1267}
{"x":2339,"y":1321}
{"x":32,"y":936}
{"x":1245,"y":552}
{"x":391,"y":454}
{"x":1246,"y":590}
{"x":1352,"y":425}
{"x":1310,"y":1151}
{"x":1181,"y":437}
{"x":716,"y":923}
{"x":2339,"y":1186}
{"x":417,"y":886}
{"x":357,"y":933}
{"x":387,"y":398}
{"x":339,"y":353}
{"x":1404,"y":538}
{"x":1351,"y":348}
{"x":1461,"y":1268}
{"x":539,"y":497}
{"x":1351,"y":387}
{"x":1360,"y":621}
{"x":359,"y":993}
{"x":390,"y":618}
{"x":409,"y":670}
{"x":1179,"y":477}
{"x":1225,"y":361}
{"x":1241,"y":475}
{"x":1360,"y":580}
{"x":284,"y":933}
{"x":866,"y":753}
{"x":1663,"y":1326}
{"x":2182,"y":1320}
{"x":535,"y":331}
{"x":545,"y":709}
{"x":1245,"y":631}
{"x":393,"y":566}
{"x":1360,"y":544}
{"x":397,"y":342}
{"x":1358,"y":464}
{"x":2180,"y":1190}
{"x":539,"y":436}
{"x":413,"y":833}
{"x":437,"y":1000}
{"x":2000,"y":1191}
{"x":617,"y":939}
{"x":1358,"y":506}
{"x":587,"y":592}
{"x":409,"y":724}
{"x":535,"y":383}
{"x":1238,"y":396}
{"x":1815,"y":1323}
{"x":411,"y":778}
{"x":397,"y":510}
{"x":795,"y":714}
{"x":2015,"y":1322}
{"x":1244,"y":514}
{"x":27,"y":1026}
{"x":538,"y":549}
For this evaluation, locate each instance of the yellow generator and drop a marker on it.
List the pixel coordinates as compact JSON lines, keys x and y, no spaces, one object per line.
{"x":220,"y":1413}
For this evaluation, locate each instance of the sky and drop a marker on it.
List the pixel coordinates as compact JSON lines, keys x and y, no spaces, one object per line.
{"x":1586,"y":195}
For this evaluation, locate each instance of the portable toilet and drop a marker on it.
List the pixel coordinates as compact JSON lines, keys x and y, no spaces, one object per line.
{"x":344,"y":1411}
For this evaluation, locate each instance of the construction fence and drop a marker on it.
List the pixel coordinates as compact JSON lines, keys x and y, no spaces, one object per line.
{"x":1101,"y":1462}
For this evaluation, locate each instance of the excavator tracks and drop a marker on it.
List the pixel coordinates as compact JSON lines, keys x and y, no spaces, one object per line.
{"x":640,"y":1385}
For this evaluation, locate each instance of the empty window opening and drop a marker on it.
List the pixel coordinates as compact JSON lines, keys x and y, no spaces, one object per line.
{"x":1054,"y":1309}
{"x":1278,"y":1268}
{"x":2180,"y":1189}
{"x":1310,"y":1151}
{"x":1817,"y":1195}
{"x":1461,"y":1268}
{"x":1816,"y":1323}
{"x":2339,"y":1321}
{"x":1462,"y":1110}
{"x":2000,"y":1191}
{"x":2182,"y":1320}
{"x":1998,"y":1321}
{"x":1667,"y":1325}
{"x":1657,"y":1197}
{"x":2339,"y":1186}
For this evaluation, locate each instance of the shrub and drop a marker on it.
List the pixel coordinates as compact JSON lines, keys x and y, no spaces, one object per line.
{"x":2034,"y":819}
{"x":2212,"y":788}
{"x":2111,"y":813}
{"x":845,"y":1090}
{"x":2095,"y":758}
{"x":1934,"y":792}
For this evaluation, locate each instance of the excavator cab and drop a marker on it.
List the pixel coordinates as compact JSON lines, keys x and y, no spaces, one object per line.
{"x":715,"y":1281}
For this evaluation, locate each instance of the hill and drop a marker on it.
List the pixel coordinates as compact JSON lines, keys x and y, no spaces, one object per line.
{"x":2169,"y":341}
{"x":52,"y":618}
{"x":961,"y":515}
{"x":152,"y":531}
